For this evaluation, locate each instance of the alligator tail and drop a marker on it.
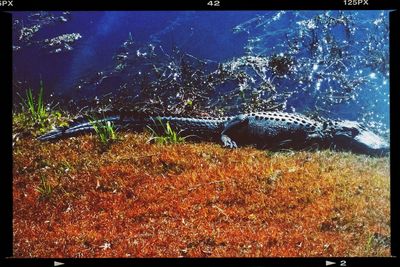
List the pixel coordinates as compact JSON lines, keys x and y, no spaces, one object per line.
{"x":75,"y":128}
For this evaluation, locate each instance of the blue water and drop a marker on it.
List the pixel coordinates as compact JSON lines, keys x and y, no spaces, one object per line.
{"x":339,"y":61}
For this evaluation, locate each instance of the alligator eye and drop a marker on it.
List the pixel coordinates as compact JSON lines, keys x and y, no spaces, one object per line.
{"x":354,"y":131}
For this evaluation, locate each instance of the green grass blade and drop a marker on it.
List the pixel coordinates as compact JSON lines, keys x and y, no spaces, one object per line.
{"x":30,"y":102}
{"x":40,"y":100}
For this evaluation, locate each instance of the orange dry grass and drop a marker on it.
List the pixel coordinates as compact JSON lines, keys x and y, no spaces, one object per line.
{"x":196,"y":200}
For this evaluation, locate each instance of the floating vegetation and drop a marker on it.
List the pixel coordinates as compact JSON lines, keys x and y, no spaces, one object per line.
{"x":338,"y":58}
{"x":61,"y":43}
{"x":28,"y":32}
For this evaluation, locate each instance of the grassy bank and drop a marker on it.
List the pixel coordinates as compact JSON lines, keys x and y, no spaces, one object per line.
{"x":137,"y":199}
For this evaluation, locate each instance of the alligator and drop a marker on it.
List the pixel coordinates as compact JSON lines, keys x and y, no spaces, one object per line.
{"x":264,"y":130}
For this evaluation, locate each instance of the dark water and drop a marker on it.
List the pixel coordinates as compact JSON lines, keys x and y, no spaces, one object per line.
{"x":334,"y":64}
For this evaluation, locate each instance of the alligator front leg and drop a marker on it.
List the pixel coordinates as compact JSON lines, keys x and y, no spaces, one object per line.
{"x":234,"y":125}
{"x":227,"y":141}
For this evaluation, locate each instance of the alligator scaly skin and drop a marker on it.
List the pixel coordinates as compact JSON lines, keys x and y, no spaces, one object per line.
{"x":264,"y":130}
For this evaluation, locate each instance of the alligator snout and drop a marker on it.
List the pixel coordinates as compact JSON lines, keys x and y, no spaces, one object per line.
{"x":371,"y":143}
{"x":52,"y":135}
{"x":352,"y":136}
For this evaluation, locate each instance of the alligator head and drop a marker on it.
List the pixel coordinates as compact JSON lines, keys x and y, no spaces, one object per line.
{"x":352,"y":136}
